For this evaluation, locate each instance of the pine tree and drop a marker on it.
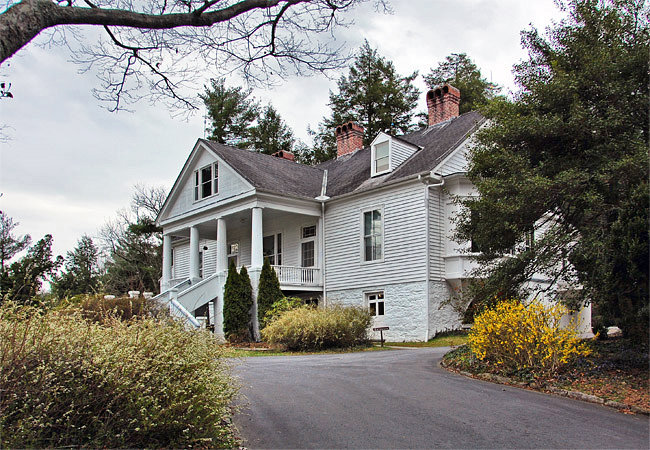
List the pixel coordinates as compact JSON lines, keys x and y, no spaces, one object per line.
{"x":81,"y":275}
{"x":231,"y":112}
{"x":271,"y":134}
{"x":268,"y":291}
{"x":459,"y":70}
{"x":374,"y":95}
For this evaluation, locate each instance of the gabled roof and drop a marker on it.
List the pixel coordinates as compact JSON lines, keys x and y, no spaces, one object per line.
{"x":351,"y":172}
{"x":270,"y":173}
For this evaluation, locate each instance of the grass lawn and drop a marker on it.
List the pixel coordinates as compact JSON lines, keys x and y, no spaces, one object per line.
{"x":616,"y":370}
{"x":241,"y":353}
{"x":451,"y":340}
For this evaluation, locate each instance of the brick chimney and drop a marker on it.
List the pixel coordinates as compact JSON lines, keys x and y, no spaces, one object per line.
{"x":349,"y":137}
{"x":443,"y":103}
{"x":284,"y":154}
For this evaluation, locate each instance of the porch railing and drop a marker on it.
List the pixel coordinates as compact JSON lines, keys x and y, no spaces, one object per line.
{"x":303,"y":276}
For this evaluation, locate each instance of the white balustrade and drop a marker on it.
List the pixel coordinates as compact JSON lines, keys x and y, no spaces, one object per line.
{"x":304,"y":276}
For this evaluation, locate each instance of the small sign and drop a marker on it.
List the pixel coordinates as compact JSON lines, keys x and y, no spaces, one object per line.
{"x":380,"y":329}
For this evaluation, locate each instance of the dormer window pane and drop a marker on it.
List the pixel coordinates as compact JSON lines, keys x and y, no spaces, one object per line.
{"x":206,"y":182}
{"x":381,"y":157}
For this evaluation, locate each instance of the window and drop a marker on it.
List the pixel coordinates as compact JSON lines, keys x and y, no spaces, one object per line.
{"x":381,"y":157}
{"x":206,"y":181}
{"x":233,"y":253}
{"x":308,"y":232}
{"x":372,"y":235}
{"x":200,"y":264}
{"x":375,"y":302}
{"x":529,"y":240}
{"x":307,"y":249}
{"x":272,"y":248}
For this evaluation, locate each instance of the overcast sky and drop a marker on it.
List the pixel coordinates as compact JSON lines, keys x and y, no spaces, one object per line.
{"x":70,"y":164}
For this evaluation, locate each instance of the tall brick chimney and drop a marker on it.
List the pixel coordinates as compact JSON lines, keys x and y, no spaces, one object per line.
{"x":443,"y":103}
{"x":349,"y":137}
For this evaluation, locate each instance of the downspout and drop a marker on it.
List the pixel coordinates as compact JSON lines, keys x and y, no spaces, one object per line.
{"x":322,"y":198}
{"x":427,"y":184}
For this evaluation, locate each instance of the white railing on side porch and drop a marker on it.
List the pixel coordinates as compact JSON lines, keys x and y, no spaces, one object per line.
{"x":303,"y":276}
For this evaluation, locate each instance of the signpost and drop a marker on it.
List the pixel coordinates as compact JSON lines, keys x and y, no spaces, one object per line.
{"x":381,"y":333}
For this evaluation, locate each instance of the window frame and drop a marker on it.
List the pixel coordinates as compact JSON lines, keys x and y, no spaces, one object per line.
{"x":368,"y":301}
{"x":199,"y":182}
{"x":379,"y":208}
{"x":230,"y":255}
{"x":307,"y":239}
{"x":373,"y":157}
{"x":277,"y":249}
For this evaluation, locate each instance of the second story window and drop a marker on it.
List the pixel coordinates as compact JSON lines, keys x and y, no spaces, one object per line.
{"x":381,"y":158}
{"x":206,"y":181}
{"x":372,"y":235}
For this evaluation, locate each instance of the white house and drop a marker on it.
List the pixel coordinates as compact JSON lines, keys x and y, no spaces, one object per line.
{"x":371,"y":227}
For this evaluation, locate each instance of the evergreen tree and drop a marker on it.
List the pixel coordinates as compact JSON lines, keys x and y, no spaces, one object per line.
{"x":247,"y":298}
{"x":268,"y":291}
{"x":271,"y":134}
{"x":23,"y":279}
{"x":459,"y":70}
{"x":10,"y":245}
{"x":231,"y":112}
{"x":572,"y":148}
{"x":82,"y":274}
{"x":374,"y":95}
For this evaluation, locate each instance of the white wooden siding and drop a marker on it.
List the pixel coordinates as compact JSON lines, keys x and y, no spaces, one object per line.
{"x":399,"y":152}
{"x":437,"y":235}
{"x":230,"y":184}
{"x":404,"y":248}
{"x":181,"y":266}
{"x":457,"y":162}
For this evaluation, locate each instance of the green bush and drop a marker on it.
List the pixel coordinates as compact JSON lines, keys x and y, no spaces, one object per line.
{"x":268,"y":291}
{"x":283,"y":305}
{"x":70,"y":382}
{"x":309,"y":328}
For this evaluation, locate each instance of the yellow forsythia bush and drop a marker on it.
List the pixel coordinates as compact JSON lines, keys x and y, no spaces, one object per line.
{"x":514,"y":336}
{"x":66,"y":381}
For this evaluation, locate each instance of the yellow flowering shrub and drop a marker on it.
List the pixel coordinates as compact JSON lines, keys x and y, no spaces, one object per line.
{"x":514,"y":336}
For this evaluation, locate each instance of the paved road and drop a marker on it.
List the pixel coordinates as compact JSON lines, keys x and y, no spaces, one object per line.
{"x":403,"y":399}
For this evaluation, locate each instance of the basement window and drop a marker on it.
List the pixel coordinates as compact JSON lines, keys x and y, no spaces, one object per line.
{"x":375,"y":301}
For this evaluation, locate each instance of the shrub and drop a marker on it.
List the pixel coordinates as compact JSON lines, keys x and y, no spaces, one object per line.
{"x":98,"y":309}
{"x":268,"y":292}
{"x":514,"y":336}
{"x":69,"y":382}
{"x":237,"y":301}
{"x":279,"y":307}
{"x":309,"y":328}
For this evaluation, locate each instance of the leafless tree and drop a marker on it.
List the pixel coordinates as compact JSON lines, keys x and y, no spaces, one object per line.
{"x":168,"y":46}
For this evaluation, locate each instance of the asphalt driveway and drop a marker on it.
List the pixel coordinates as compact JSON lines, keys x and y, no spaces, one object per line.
{"x":403,"y":399}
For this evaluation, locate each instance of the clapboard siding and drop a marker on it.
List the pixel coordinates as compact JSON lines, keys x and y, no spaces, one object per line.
{"x":399,"y":152}
{"x":404,"y":239}
{"x":437,"y":235}
{"x":181,"y":266}
{"x":209,"y":256}
{"x":230,"y":184}
{"x":456,"y":163}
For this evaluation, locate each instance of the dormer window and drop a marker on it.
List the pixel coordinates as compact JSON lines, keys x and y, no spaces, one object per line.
{"x":206,"y":181}
{"x":380,"y":154}
{"x":381,"y":157}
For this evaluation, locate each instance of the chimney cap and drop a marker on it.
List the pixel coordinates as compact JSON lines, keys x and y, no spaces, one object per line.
{"x":441,"y":90}
{"x":347,"y":127}
{"x":284,"y":154}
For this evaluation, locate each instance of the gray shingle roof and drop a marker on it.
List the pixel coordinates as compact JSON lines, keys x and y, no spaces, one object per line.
{"x":270,"y":173}
{"x":349,"y":173}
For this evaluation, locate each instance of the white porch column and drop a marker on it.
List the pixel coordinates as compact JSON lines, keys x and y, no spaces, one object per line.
{"x":257,"y":255}
{"x":167,"y":262}
{"x":222,"y":246}
{"x":194,"y":253}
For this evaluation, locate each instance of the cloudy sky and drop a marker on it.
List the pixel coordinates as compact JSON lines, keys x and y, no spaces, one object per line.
{"x":69,"y":164}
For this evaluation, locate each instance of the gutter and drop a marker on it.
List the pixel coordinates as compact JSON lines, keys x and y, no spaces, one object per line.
{"x":426,"y":180}
{"x":322,"y":198}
